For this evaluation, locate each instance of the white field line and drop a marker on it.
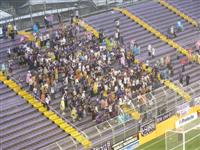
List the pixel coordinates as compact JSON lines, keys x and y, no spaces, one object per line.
{"x":186,"y":141}
{"x":149,"y":145}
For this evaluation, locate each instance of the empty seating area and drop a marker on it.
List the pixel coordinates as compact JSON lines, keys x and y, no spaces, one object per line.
{"x":23,"y":127}
{"x":191,"y":7}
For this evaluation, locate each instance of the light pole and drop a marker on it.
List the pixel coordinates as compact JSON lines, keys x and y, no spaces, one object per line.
{"x":30,"y":8}
{"x":76,"y":10}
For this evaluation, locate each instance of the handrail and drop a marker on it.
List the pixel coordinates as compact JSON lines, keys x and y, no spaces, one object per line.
{"x":48,"y":114}
{"x":178,"y":12}
{"x":134,"y":114}
{"x":86,"y":26}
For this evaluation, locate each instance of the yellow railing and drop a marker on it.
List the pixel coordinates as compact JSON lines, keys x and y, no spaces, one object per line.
{"x":167,"y":83}
{"x":49,"y":114}
{"x":87,"y":27}
{"x":178,"y":12}
{"x":28,"y":35}
{"x":134,"y":114}
{"x":158,"y":34}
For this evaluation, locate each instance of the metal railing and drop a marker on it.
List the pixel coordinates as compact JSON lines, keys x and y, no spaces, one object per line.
{"x":117,"y":129}
{"x":26,"y":18}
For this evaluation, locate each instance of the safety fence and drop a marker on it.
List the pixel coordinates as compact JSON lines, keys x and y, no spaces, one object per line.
{"x":178,"y":12}
{"x":30,"y":13}
{"x":125,"y":132}
{"x":49,"y":114}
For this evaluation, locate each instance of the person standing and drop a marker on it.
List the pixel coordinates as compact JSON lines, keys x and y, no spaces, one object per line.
{"x":153,"y":52}
{"x":62,"y":105}
{"x":4,"y":30}
{"x":149,"y":48}
{"x":187,"y":79}
{"x":181,"y":78}
{"x":47,"y":101}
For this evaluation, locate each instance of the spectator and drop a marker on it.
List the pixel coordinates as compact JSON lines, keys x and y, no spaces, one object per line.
{"x":47,"y":101}
{"x":74,"y":114}
{"x":74,"y":65}
{"x":179,"y":26}
{"x":187,"y":80}
{"x":4,"y":30}
{"x":62,"y":106}
{"x":153,"y":52}
{"x":149,"y":48}
{"x":181,"y":78}
{"x":172,"y":32}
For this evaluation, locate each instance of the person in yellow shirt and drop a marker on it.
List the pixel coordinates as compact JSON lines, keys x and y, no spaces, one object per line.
{"x":95,"y":88}
{"x":11,"y":30}
{"x":62,"y":106}
{"x":74,"y":114}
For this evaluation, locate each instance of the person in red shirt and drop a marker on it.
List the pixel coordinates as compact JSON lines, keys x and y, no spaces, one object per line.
{"x":183,"y":62}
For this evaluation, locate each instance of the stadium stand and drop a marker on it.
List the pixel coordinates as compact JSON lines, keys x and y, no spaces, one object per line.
{"x":22,"y":126}
{"x":49,"y":114}
{"x":41,"y":133}
{"x":181,"y":14}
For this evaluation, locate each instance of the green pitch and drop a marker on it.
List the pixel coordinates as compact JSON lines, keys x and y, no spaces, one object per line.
{"x":193,"y":138}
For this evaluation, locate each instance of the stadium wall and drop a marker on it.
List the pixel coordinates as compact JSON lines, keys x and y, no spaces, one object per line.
{"x":166,"y":125}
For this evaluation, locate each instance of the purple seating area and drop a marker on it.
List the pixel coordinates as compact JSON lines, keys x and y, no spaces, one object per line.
{"x":23,"y":127}
{"x":190,"y":7}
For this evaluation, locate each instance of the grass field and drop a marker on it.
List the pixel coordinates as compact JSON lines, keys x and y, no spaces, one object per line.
{"x":193,"y":138}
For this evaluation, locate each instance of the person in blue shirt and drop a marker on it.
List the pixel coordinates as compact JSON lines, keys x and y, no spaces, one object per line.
{"x":35,"y":28}
{"x":179,"y":26}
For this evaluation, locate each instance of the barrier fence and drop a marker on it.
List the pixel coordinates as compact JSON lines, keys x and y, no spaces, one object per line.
{"x":124,"y":131}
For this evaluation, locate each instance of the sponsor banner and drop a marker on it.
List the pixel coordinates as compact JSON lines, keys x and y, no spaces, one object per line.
{"x":127,"y":144}
{"x":187,"y":119}
{"x":183,"y":109}
{"x":148,"y":128}
{"x":105,"y":146}
{"x":164,"y":116}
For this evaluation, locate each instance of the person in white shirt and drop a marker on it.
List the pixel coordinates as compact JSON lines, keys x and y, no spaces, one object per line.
{"x":153,"y":52}
{"x":149,"y":48}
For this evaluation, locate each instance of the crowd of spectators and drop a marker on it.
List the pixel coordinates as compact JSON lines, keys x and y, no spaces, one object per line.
{"x":94,"y":76}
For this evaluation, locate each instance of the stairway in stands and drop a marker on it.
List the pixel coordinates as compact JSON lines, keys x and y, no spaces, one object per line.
{"x":22,"y":126}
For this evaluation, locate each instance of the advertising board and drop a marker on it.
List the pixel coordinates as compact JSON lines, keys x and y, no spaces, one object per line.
{"x":187,"y":119}
{"x":164,"y":116}
{"x":183,"y":109}
{"x":148,"y":127}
